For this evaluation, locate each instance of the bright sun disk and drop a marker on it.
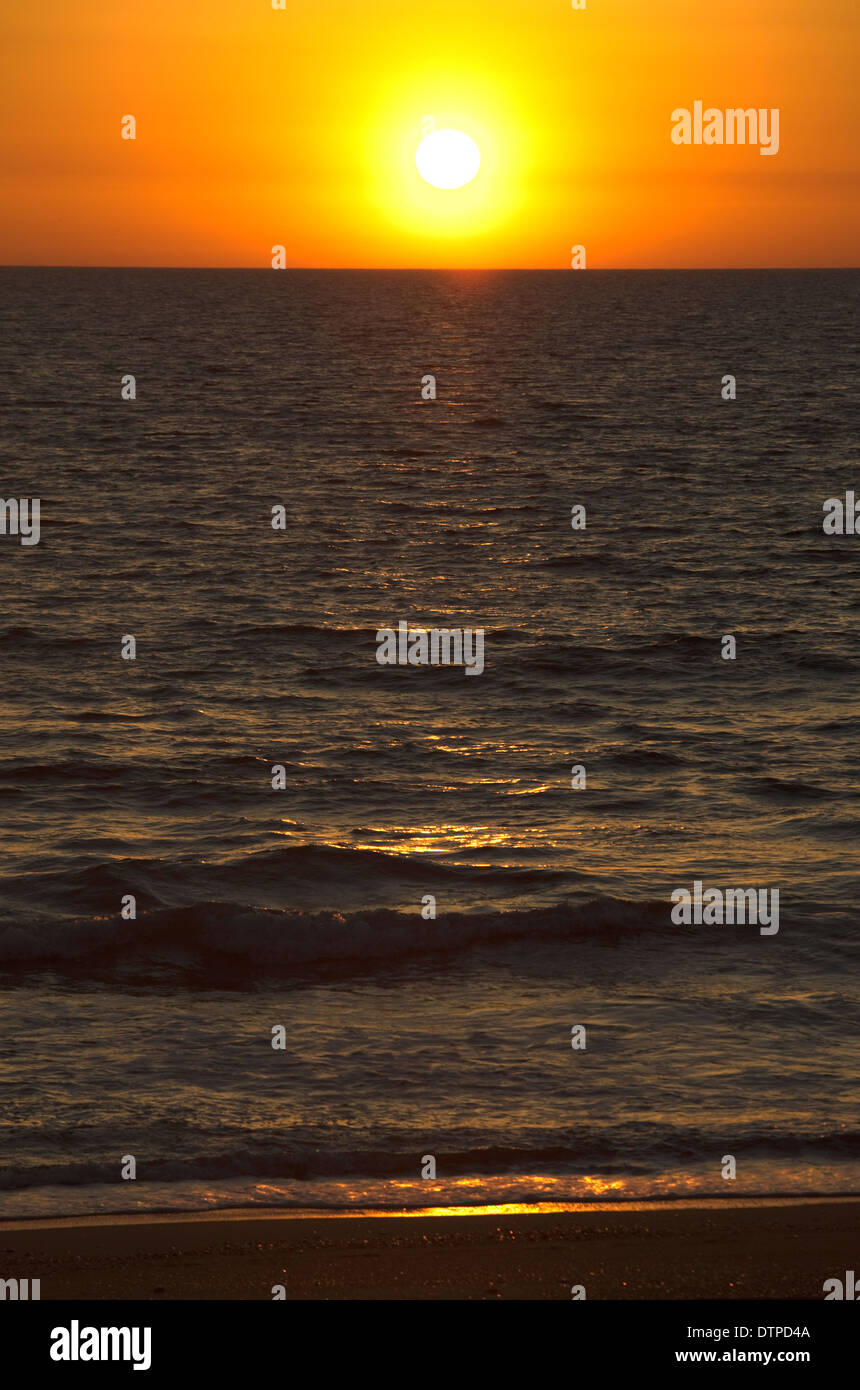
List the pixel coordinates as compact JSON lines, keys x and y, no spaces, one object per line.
{"x":448,"y":158}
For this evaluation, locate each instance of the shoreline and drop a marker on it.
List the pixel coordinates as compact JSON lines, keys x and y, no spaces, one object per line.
{"x":740,"y":1248}
{"x":278,"y":1213}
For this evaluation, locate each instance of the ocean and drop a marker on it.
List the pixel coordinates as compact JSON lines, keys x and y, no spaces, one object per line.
{"x":416,"y":1041}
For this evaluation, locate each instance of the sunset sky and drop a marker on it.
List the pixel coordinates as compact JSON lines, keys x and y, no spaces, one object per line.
{"x":258,"y":126}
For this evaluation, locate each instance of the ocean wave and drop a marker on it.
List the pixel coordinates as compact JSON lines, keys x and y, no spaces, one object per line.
{"x":270,"y":876}
{"x":785,"y":789}
{"x":212,"y":937}
{"x":628,"y":1150}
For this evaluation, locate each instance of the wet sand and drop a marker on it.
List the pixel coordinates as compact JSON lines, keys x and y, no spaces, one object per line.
{"x":778,"y":1250}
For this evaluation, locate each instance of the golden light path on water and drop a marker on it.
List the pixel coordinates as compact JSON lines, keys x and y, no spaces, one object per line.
{"x":462,"y":1196}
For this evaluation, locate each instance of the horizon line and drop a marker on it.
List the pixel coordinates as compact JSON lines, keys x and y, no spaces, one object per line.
{"x":458,"y":269}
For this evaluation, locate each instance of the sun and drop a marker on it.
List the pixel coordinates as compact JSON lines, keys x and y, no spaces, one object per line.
{"x":448,"y":158}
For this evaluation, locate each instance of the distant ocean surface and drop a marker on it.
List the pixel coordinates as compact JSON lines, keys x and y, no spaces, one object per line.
{"x":302,"y":908}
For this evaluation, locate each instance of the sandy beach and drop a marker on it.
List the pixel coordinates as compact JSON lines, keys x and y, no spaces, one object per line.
{"x":782,"y":1250}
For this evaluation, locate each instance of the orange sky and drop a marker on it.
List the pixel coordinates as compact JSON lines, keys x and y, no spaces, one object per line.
{"x":258,"y":126}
